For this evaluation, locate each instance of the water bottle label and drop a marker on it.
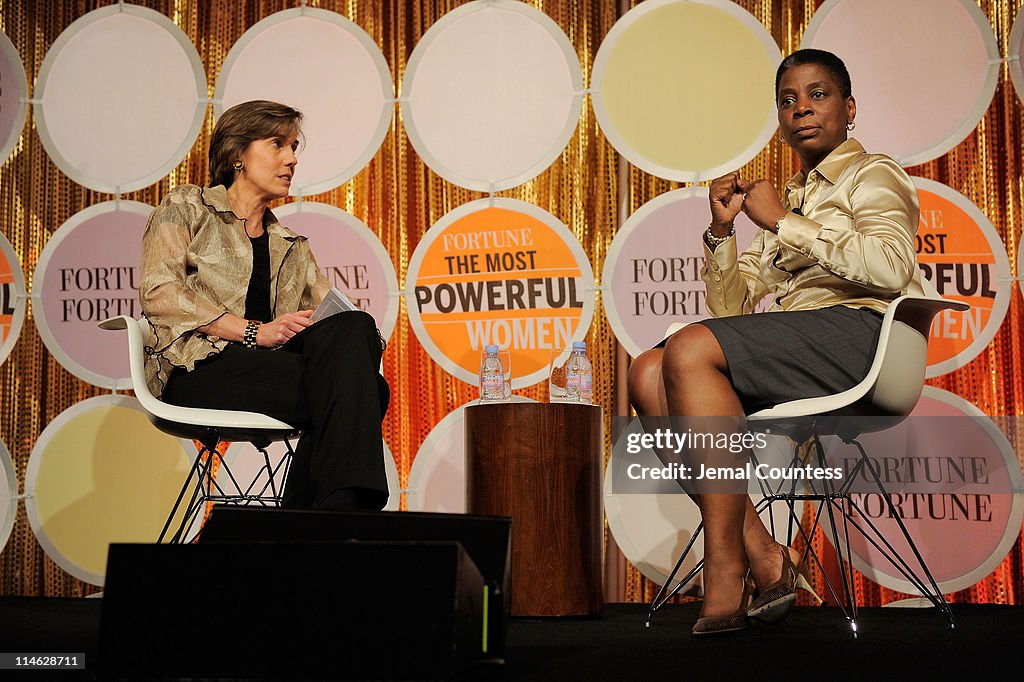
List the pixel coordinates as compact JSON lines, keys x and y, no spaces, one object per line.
{"x":494,"y":384}
{"x":586,"y":384}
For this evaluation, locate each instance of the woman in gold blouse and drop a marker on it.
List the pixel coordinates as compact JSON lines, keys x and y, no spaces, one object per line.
{"x":228,"y":292}
{"x":834,"y":251}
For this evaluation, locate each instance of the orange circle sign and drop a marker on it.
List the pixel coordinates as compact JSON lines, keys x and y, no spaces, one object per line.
{"x":499,"y":271}
{"x":962,"y":255}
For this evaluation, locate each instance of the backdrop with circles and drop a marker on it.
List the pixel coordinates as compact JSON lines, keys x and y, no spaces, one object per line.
{"x":456,"y":161}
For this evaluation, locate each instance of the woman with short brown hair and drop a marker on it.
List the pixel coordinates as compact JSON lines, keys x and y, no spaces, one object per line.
{"x":229,"y":291}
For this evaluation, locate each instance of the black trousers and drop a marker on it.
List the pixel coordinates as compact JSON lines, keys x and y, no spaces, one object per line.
{"x":325,"y":381}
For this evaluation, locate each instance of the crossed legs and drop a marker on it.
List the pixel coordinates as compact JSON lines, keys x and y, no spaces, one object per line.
{"x":690,"y":377}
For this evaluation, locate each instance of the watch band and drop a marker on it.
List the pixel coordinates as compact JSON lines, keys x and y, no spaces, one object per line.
{"x":249,"y":336}
{"x":714,"y":241}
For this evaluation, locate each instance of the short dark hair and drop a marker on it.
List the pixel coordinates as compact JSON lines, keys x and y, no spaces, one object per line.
{"x":242,"y":124}
{"x":822,"y":58}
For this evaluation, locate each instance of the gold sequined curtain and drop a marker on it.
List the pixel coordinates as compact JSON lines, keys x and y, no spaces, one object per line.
{"x":399,"y":198}
{"x":396,"y":195}
{"x":987,"y":169}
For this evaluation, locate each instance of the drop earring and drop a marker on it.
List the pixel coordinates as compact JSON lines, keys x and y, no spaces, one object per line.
{"x":237,"y":165}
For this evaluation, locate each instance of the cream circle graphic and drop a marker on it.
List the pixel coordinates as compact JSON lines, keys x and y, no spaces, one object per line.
{"x":103,"y":115}
{"x":12,"y":298}
{"x":969,"y":488}
{"x":499,"y":271}
{"x":351,"y":256}
{"x":13,"y":97}
{"x":328,"y":68}
{"x":492,"y":94}
{"x":101,"y":473}
{"x":89,"y":271}
{"x":1015,"y":53}
{"x":437,"y":478}
{"x":247,"y":466}
{"x":684,"y":88}
{"x":651,"y":277}
{"x":652,"y":528}
{"x":962,"y":255}
{"x":8,"y":495}
{"x":919,"y":92}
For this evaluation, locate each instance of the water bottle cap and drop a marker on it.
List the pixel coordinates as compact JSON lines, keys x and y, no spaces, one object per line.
{"x":579,"y":345}
{"x":491,"y":349}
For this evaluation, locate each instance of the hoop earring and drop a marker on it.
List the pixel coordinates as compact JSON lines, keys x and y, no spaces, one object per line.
{"x":851,"y":125}
{"x":237,"y":165}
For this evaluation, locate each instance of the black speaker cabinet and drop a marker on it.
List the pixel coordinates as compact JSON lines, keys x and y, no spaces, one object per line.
{"x":487,"y":540}
{"x":289,"y":610}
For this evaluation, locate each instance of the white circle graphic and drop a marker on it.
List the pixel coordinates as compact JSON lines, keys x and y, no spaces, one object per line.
{"x":120,"y":98}
{"x":492,"y":94}
{"x":8,"y":495}
{"x":331,"y":70}
{"x":919,"y":92}
{"x":437,"y":478}
{"x":1015,"y":52}
{"x":13,"y":96}
{"x":250,"y":476}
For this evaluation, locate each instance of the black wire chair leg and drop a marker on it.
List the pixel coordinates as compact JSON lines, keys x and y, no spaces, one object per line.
{"x":666,"y":593}
{"x":938,"y":599}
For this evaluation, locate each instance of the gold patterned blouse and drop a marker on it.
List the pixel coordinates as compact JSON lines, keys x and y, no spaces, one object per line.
{"x":196,"y":264}
{"x":853,"y":245}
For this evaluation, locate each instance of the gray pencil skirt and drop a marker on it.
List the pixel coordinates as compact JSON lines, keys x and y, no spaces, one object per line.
{"x":781,"y":356}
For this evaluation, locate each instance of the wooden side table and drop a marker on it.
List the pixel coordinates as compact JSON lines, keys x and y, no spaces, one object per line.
{"x":541,"y":464}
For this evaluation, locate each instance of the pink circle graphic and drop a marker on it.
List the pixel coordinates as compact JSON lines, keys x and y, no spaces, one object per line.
{"x":89,"y":271}
{"x":981,"y":505}
{"x":919,"y":92}
{"x":351,"y":256}
{"x":13,"y":96}
{"x":338,"y":79}
{"x":651,"y":277}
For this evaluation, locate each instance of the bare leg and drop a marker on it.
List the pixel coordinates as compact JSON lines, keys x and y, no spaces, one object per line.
{"x":698,"y":384}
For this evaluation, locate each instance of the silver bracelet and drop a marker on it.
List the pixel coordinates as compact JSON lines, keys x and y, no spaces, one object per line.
{"x":714,"y":241}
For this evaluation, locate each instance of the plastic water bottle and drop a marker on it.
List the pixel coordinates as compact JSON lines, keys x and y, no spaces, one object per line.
{"x":579,"y":381}
{"x":492,"y":377}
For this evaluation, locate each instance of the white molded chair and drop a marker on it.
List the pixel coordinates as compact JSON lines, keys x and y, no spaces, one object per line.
{"x":209,"y":427}
{"x":884,"y":398}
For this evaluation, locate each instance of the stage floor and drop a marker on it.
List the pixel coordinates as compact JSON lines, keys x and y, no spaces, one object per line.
{"x":813,"y":643}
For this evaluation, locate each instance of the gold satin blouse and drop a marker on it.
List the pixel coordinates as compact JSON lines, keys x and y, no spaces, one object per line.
{"x":853,"y":245}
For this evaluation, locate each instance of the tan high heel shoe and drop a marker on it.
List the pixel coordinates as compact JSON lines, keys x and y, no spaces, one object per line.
{"x":775,"y":601}
{"x":732,"y":622}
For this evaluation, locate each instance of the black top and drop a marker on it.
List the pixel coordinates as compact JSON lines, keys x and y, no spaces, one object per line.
{"x":257,"y":298}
